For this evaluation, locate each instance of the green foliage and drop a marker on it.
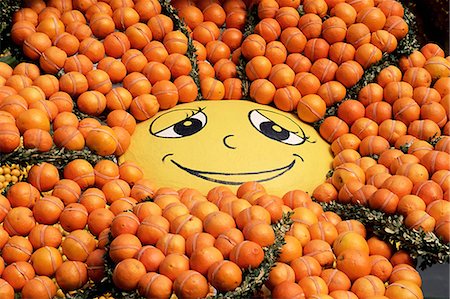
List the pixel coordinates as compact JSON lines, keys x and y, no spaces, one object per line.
{"x":426,"y":245}
{"x":254,"y":279}
{"x":7,"y":9}
{"x":179,"y":24}
{"x":250,"y":23}
{"x":405,"y":46}
{"x":59,"y":157}
{"x":106,"y":285}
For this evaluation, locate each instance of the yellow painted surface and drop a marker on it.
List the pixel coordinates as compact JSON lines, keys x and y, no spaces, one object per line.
{"x":205,"y":144}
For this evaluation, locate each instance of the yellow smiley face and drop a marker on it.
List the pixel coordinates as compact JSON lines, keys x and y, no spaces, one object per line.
{"x":205,"y":144}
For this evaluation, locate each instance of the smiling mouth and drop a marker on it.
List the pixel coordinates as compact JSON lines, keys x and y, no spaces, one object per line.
{"x":236,"y":178}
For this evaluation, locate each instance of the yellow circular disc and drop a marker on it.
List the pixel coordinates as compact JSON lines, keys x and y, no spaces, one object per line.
{"x":205,"y":144}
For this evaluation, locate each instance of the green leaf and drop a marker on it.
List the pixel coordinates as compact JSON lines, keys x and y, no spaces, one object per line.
{"x":390,"y":228}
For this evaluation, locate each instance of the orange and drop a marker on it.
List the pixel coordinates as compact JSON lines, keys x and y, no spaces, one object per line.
{"x":350,"y":240}
{"x":258,"y":67}
{"x":405,"y":272}
{"x":151,"y":257}
{"x":39,"y":287}
{"x":353,"y":263}
{"x":198,"y":241}
{"x":122,"y":204}
{"x":152,"y":228}
{"x":384,"y":200}
{"x":287,"y":16}
{"x":335,"y":280}
{"x":247,"y":254}
{"x":279,"y":273}
{"x":321,"y":251}
{"x":192,"y":16}
{"x":202,"y":258}
{"x":71,"y":275}
{"x":78,"y":63}
{"x":205,"y":32}
{"x":166,"y":94}
{"x":19,"y":221}
{"x":259,"y":232}
{"x":99,"y":219}
{"x":73,"y":217}
{"x":77,"y":245}
{"x":291,"y":250}
{"x":435,"y":161}
{"x":287,"y":289}
{"x":23,"y":194}
{"x":17,"y":274}
{"x":46,"y":260}
{"x":420,"y":219}
{"x":322,"y":230}
{"x":313,"y":285}
{"x":171,"y":243}
{"x":124,"y":246}
{"x":325,"y":192}
{"x":344,"y":11}
{"x":17,"y":249}
{"x":252,"y":46}
{"x":127,"y":274}
{"x":269,"y":29}
{"x":396,"y":26}
{"x":190,"y":284}
{"x":403,"y":289}
{"x":225,"y":275}
{"x":305,"y":266}
{"x":186,"y":225}
{"x":262,"y":91}
{"x":311,"y":108}
{"x":350,"y":111}
{"x":32,"y":119}
{"x":317,"y":7}
{"x":232,"y":37}
{"x":212,"y":89}
{"x":267,"y":9}
{"x":95,"y":265}
{"x":52,"y":60}
{"x":381,"y":267}
{"x":174,"y":265}
{"x":415,"y":59}
{"x":154,"y":285}
{"x":367,"y":286}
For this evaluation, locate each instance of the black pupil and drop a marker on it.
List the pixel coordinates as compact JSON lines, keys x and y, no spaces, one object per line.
{"x":188,"y":126}
{"x":274,"y":131}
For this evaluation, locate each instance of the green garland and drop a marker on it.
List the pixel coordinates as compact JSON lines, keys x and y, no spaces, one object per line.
{"x":179,"y":24}
{"x":7,"y":9}
{"x":59,"y":157}
{"x":254,"y":279}
{"x":250,"y":23}
{"x":426,"y":245}
{"x":405,"y":47}
{"x":252,"y":282}
{"x":106,"y":285}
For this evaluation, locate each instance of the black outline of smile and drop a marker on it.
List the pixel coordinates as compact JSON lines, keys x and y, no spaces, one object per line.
{"x":202,"y":174}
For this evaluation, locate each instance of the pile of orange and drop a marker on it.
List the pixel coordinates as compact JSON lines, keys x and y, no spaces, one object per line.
{"x":391,"y":145}
{"x":124,"y":60}
{"x":182,"y":242}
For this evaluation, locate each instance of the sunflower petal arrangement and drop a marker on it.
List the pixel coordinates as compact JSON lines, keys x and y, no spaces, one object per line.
{"x":220,"y":149}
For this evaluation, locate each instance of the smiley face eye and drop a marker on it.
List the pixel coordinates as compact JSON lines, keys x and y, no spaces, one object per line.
{"x":274,"y":131}
{"x":186,"y":127}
